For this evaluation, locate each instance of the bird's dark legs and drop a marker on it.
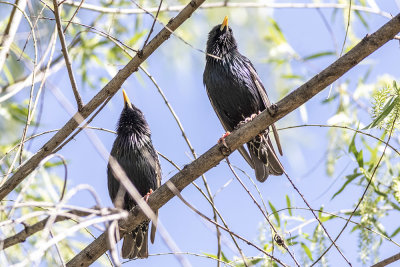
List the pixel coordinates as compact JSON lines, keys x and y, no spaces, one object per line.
{"x":146,"y":197}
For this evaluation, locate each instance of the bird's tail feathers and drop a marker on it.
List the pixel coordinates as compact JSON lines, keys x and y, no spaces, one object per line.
{"x":264,"y":157}
{"x":135,"y":244}
{"x":153,"y":228}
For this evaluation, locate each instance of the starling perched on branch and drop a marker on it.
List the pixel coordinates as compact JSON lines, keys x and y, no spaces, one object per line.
{"x":134,"y":152}
{"x":237,"y":95}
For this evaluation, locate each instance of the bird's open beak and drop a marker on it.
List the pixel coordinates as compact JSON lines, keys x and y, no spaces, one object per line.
{"x":126,"y":99}
{"x":224,"y":24}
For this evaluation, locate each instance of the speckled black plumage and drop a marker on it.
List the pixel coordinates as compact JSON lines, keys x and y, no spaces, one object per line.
{"x":134,"y":152}
{"x":236,"y":92}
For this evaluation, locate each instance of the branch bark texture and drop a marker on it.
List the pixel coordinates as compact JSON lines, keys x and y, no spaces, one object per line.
{"x":212,"y":157}
{"x":108,"y":91}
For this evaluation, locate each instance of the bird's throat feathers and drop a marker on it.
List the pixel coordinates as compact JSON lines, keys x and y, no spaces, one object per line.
{"x":132,"y":127}
{"x":220,"y":43}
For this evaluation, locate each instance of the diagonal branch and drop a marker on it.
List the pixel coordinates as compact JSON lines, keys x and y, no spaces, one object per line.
{"x":212,"y":157}
{"x":108,"y":91}
{"x":66,"y":56}
{"x":11,"y":29}
{"x":33,"y":229}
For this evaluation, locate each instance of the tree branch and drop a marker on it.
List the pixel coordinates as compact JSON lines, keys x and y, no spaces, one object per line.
{"x":11,"y":30}
{"x":108,"y":91}
{"x":213,"y":156}
{"x":64,"y":49}
{"x":33,"y":229}
{"x":387,"y":261}
{"x":223,"y":4}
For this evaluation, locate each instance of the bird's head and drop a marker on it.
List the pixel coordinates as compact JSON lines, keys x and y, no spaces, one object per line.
{"x":131,"y":120}
{"x":220,"y":40}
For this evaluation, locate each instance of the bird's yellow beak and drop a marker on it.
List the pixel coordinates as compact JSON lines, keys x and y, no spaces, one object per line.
{"x":224,"y":24}
{"x":126,"y":99}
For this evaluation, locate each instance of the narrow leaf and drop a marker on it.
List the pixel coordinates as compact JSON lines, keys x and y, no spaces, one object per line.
{"x":320,"y":54}
{"x":289,"y":205}
{"x":386,"y":110}
{"x":307,"y":251}
{"x":350,"y":178}
{"x":275,"y":213}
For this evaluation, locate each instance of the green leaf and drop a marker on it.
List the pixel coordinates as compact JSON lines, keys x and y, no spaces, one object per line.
{"x":292,"y":77}
{"x":254,"y":261}
{"x":326,"y":218}
{"x":358,"y":155}
{"x":52,"y":164}
{"x":363,"y":21}
{"x":360,"y":159}
{"x":307,"y":250}
{"x":289,"y":205}
{"x":276,"y":215}
{"x":215,"y":257}
{"x":395,"y":232}
{"x":320,"y":54}
{"x":352,"y":146}
{"x":224,"y":258}
{"x":386,"y":110}
{"x":350,"y":178}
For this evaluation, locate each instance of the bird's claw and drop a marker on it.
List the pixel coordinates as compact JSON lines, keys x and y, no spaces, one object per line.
{"x":246,"y":120}
{"x":225,"y":150}
{"x":146,"y":197}
{"x":272,"y":110}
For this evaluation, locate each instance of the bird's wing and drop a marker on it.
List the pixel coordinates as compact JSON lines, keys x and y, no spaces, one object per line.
{"x":241,"y":149}
{"x":267,"y":103}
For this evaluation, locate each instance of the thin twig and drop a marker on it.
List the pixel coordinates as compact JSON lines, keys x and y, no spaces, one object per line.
{"x":214,"y":208}
{"x":172,"y":187}
{"x":11,"y":28}
{"x":177,"y":8}
{"x":64,"y":49}
{"x":336,"y":215}
{"x":316,"y":217}
{"x":152,"y":26}
{"x":62,"y":262}
{"x":341,"y":127}
{"x":262,"y":211}
{"x":76,"y":12}
{"x":20,"y":150}
{"x":364,"y":193}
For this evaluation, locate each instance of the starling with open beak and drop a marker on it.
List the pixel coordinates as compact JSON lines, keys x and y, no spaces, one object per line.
{"x":135,"y":154}
{"x":237,"y":95}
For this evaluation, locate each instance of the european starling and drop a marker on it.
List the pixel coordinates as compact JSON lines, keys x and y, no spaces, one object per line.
{"x":134,"y":152}
{"x":237,"y":95}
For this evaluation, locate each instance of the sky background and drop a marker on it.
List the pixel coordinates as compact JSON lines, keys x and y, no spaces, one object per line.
{"x":178,"y":70}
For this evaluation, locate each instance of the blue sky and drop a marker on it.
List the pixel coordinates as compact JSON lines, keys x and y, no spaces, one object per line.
{"x":178,"y":70}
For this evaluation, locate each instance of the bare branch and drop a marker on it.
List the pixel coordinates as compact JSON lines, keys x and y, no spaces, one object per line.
{"x":245,"y":133}
{"x":11,"y":29}
{"x":263,"y":213}
{"x":66,"y":56}
{"x":231,"y":5}
{"x":319,"y":221}
{"x":33,"y":229}
{"x":387,"y":261}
